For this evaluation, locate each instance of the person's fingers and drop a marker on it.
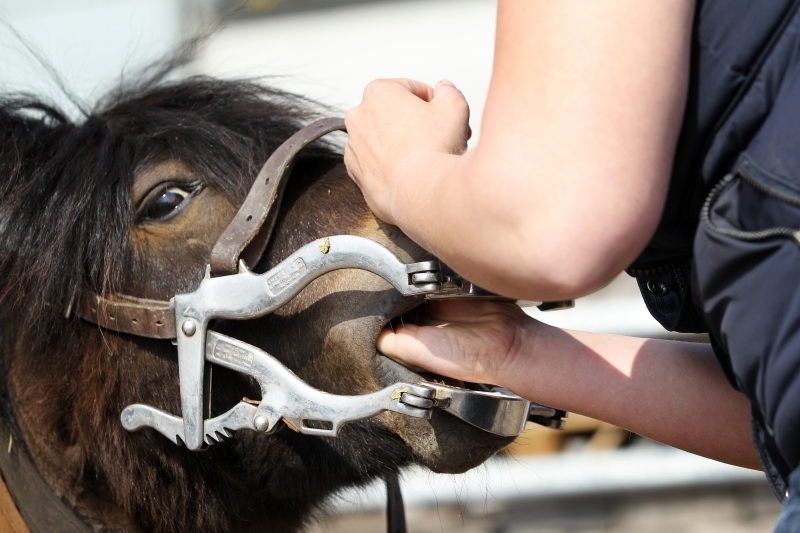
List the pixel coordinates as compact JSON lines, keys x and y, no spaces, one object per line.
{"x":425,"y":347}
{"x":451,"y":101}
{"x":395,"y":119}
{"x":353,"y":165}
{"x":350,"y":157}
{"x":403,"y":345}
{"x":381,"y":88}
{"x":399,"y":348}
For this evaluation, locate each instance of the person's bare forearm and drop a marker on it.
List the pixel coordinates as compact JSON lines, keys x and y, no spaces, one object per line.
{"x":567,"y":183}
{"x":472,"y":223}
{"x":672,"y":392}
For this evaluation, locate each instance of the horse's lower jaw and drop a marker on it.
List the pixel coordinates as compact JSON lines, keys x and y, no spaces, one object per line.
{"x":444,"y":444}
{"x":394,"y":372}
{"x":447,"y":445}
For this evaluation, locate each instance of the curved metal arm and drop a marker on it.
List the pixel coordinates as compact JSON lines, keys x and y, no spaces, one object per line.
{"x":285,"y":397}
{"x":306,"y":409}
{"x":248,"y":295}
{"x":288,"y":399}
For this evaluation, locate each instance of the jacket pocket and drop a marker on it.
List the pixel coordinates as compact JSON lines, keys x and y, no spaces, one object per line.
{"x":760,"y":207}
{"x":747,"y":268}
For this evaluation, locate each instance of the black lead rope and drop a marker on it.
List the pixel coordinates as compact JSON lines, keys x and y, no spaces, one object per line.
{"x":395,"y":513}
{"x":40,"y":507}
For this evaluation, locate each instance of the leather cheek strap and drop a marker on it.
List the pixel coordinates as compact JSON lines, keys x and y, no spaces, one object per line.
{"x":249,"y":232}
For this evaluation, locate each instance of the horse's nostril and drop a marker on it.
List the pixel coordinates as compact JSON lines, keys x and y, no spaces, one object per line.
{"x":249,"y":218}
{"x":159,"y":323}
{"x":135,"y":320}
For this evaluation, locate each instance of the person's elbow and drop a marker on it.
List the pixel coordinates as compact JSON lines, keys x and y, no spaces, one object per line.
{"x":555,"y":277}
{"x":574,"y":257}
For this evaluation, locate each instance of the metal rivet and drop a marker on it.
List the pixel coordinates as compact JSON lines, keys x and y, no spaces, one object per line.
{"x":260,"y":423}
{"x":656,"y":287}
{"x":189,"y":328}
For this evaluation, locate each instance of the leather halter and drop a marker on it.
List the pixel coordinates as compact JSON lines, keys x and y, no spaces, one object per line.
{"x":245,"y":238}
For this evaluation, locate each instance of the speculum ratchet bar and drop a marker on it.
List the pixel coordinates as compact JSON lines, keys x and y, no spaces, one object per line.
{"x":286,"y":399}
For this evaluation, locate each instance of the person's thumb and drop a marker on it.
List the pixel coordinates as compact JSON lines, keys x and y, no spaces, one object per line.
{"x":447,"y":96}
{"x":426,"y":348}
{"x":401,"y":345}
{"x":444,"y":88}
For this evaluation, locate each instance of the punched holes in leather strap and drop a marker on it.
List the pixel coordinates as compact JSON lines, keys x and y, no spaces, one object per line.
{"x":137,"y":316}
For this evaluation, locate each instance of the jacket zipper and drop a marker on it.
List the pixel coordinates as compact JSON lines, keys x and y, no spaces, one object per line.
{"x":760,"y":235}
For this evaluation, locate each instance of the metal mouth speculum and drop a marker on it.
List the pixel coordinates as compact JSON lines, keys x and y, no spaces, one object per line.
{"x":285,"y":397}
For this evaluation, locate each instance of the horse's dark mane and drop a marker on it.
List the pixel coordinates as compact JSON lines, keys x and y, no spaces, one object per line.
{"x":65,"y":185}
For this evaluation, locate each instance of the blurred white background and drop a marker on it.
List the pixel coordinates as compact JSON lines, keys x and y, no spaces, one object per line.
{"x":89,"y":43}
{"x":331,"y":54}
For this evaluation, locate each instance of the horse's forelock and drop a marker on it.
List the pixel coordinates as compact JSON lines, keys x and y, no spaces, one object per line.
{"x":61,"y":202}
{"x":225,"y":129}
{"x":65,"y":211}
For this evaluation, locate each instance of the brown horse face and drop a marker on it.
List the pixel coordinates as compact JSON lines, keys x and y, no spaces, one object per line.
{"x":67,"y":397}
{"x":131,"y":201}
{"x":327,"y":333}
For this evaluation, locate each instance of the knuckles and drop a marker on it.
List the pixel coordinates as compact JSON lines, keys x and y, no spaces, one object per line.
{"x":379,"y":87}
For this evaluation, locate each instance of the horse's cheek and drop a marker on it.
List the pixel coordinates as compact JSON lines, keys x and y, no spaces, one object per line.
{"x":170,"y":257}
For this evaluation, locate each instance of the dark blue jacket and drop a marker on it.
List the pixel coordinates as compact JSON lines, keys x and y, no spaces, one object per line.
{"x":726,"y":256}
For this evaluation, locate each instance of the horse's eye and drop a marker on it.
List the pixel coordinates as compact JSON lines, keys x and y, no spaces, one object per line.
{"x":165,"y":202}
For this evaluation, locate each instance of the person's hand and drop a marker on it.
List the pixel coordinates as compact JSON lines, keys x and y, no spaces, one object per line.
{"x":471,"y":340}
{"x":398,"y":120}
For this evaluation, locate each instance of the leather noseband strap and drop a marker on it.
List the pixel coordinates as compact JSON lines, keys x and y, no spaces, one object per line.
{"x":127,"y":314}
